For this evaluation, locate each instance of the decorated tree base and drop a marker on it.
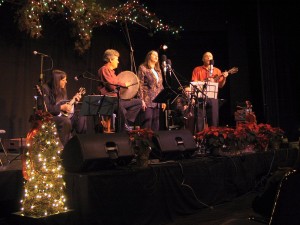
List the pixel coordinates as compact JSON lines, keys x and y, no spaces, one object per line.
{"x":62,"y":218}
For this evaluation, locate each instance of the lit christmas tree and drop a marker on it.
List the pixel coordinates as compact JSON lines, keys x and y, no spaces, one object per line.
{"x":42,"y":169}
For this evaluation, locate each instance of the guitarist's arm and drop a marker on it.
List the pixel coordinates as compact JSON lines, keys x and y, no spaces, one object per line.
{"x":222,"y":79}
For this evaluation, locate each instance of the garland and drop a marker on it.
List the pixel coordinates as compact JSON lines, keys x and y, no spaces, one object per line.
{"x":85,"y":15}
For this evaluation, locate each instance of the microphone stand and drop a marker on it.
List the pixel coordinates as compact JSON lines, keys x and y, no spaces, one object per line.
{"x":201,"y":148}
{"x":172,"y":72}
{"x":204,"y":96}
{"x":41,"y":69}
{"x":204,"y":99}
{"x":169,"y":115}
{"x":42,"y":83}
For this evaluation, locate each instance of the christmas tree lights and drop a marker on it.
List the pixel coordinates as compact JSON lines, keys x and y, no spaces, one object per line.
{"x":44,"y":188}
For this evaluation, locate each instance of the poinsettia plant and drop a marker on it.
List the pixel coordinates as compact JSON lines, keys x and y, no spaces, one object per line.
{"x":246,"y":134}
{"x":141,"y":141}
{"x":216,"y":137}
{"x":268,"y":135}
{"x":258,"y":136}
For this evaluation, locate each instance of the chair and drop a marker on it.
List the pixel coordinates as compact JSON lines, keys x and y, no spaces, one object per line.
{"x":108,"y":123}
{"x":4,"y":150}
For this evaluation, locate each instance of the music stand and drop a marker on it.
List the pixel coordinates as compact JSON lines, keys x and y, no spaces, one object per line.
{"x":165,"y":96}
{"x":210,"y":89}
{"x":93,"y":105}
{"x":202,"y":91}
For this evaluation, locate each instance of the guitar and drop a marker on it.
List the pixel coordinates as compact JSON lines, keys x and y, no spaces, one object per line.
{"x":75,"y":99}
{"x":233,"y":70}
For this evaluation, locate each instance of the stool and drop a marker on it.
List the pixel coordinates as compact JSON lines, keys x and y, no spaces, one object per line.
{"x":108,"y":123}
{"x":4,"y":150}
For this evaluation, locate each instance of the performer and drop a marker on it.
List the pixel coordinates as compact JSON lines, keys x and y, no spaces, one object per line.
{"x":208,"y":72}
{"x":128,"y":109}
{"x":151,"y":84}
{"x":56,"y":102}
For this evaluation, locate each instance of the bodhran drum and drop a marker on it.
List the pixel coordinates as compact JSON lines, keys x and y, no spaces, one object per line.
{"x":131,"y":91}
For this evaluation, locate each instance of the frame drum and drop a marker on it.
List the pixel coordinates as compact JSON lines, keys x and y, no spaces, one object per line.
{"x":131,"y":91}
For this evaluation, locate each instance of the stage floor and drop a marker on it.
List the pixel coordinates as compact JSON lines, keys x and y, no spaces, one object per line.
{"x":159,"y":195}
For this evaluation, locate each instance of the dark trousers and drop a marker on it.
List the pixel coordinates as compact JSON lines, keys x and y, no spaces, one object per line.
{"x":129,"y":110}
{"x":150,"y":118}
{"x":79,"y":123}
{"x":64,"y":128}
{"x":210,"y":114}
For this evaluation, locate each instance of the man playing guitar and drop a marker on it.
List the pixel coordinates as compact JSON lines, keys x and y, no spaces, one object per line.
{"x":209,"y":73}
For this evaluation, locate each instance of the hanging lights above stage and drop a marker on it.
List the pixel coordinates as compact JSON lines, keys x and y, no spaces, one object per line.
{"x":86,"y":15}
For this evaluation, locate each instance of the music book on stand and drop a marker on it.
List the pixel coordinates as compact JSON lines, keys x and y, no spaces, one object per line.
{"x":211,"y":90}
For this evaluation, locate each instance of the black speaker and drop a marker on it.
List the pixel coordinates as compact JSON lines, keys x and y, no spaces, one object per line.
{"x":173,"y":144}
{"x":93,"y":152}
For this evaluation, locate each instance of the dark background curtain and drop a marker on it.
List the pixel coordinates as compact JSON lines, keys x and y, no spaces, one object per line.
{"x":259,"y":37}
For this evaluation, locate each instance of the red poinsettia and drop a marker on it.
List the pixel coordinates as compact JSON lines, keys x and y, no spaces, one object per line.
{"x":258,"y":136}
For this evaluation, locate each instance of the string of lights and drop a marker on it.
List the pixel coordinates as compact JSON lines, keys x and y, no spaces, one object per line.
{"x":85,"y":15}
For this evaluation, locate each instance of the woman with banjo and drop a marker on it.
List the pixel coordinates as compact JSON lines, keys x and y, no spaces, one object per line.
{"x":52,"y":97}
{"x":124,"y":86}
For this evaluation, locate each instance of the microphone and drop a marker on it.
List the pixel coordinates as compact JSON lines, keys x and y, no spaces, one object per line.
{"x":169,"y":66}
{"x":78,"y":77}
{"x":39,"y":53}
{"x":164,"y":63}
{"x":211,"y":67}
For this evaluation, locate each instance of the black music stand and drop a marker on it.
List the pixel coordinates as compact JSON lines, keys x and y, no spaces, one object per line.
{"x":98,"y":105}
{"x":93,"y":105}
{"x":167,"y":96}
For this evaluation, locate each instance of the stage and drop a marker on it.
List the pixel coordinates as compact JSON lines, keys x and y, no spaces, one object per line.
{"x":157,"y":194}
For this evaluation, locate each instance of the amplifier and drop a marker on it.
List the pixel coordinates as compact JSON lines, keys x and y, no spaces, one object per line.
{"x":14,"y":144}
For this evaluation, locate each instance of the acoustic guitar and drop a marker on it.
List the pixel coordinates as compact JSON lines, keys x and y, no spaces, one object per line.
{"x":233,"y":70}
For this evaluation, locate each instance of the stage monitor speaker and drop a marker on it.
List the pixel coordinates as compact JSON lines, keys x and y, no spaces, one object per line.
{"x":94,"y":152}
{"x":174,"y":144}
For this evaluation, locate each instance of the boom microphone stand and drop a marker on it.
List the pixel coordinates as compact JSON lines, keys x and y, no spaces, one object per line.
{"x":197,"y":91}
{"x":171,"y":71}
{"x":41,"y":80}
